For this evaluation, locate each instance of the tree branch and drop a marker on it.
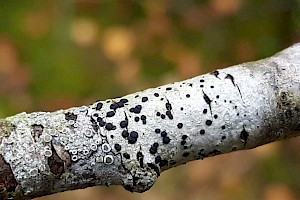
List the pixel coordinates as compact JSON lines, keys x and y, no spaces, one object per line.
{"x":129,"y":141}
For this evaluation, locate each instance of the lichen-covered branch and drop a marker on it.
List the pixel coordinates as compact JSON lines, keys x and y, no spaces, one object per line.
{"x":129,"y":141}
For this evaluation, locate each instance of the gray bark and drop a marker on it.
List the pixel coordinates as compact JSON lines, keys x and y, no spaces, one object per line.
{"x":129,"y":141}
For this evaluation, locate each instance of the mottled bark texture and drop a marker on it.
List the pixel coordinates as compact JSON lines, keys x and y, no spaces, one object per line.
{"x":129,"y":141}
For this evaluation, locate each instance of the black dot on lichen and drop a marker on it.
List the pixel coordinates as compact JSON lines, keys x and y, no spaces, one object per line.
{"x":124,"y":124}
{"x":179,"y":125}
{"x":217,"y":96}
{"x":110,"y":114}
{"x":188,"y":96}
{"x":223,"y":137}
{"x":204,"y":111}
{"x":144,"y":99}
{"x":244,"y":136}
{"x":99,"y":106}
{"x":157,"y":159}
{"x":223,"y":127}
{"x":117,"y":147}
{"x":157,"y":130}
{"x":156,"y":94}
{"x":110,"y":126}
{"x":184,"y":137}
{"x":185,"y":154}
{"x":215,"y":116}
{"x":201,"y":81}
{"x":163,"y":134}
{"x":125,"y":134}
{"x":166,"y":140}
{"x":168,"y":88}
{"x":202,"y":131}
{"x":126,"y":155}
{"x":136,"y":119}
{"x":208,"y":122}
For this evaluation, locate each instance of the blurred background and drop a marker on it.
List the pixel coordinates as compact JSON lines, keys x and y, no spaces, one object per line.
{"x":59,"y":54}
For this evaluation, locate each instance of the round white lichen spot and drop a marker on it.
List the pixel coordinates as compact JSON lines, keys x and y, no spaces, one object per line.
{"x":93,"y":147}
{"x":105,"y":147}
{"x":88,"y":133}
{"x":74,"y":151}
{"x":47,"y":138}
{"x":47,"y":152}
{"x":33,"y":172}
{"x":74,"y":158}
{"x":108,"y":159}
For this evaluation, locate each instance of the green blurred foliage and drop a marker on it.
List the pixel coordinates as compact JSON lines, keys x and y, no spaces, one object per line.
{"x":58,"y":54}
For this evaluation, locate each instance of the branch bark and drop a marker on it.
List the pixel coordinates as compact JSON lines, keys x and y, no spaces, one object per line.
{"x":129,"y":141}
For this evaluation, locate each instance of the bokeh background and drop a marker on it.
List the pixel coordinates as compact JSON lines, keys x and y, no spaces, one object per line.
{"x":57,"y":54}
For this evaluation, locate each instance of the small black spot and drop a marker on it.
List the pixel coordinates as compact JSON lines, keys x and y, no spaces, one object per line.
{"x":223,"y":137}
{"x":204,"y":111}
{"x":163,"y":163}
{"x":155,"y":144}
{"x":185,"y":154}
{"x":123,"y":101}
{"x":117,"y":147}
{"x":163,"y":116}
{"x":110,"y":114}
{"x":166,"y":140}
{"x":208,"y":122}
{"x":143,"y":117}
{"x":216,"y":74}
{"x":230,"y":77}
{"x":202,"y":131}
{"x":217,"y":96}
{"x":114,"y":106}
{"x":223,"y":127}
{"x":179,"y":125}
{"x":144,"y":99}
{"x":184,"y":137}
{"x":201,"y":86}
{"x":181,"y":108}
{"x":125,"y":134}
{"x":215,"y":116}
{"x":131,"y":140}
{"x":158,"y":114}
{"x":163,"y":134}
{"x":188,"y":96}
{"x":134,"y":134}
{"x":244,"y":136}
{"x":157,"y":130}
{"x":157,"y":159}
{"x":153,"y":150}
{"x":201,"y":81}
{"x":99,"y":106}
{"x":183,"y":142}
{"x":124,"y":124}
{"x":156,"y":94}
{"x":126,"y":155}
{"x":168,"y":106}
{"x":110,"y":126}
{"x":169,"y":114}
{"x":168,"y":88}
{"x":136,"y":119}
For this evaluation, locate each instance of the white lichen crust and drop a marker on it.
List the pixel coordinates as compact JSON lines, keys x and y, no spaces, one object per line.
{"x":129,"y":141}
